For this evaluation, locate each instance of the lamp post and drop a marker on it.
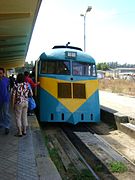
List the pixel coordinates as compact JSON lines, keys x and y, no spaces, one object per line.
{"x":84,"y":16}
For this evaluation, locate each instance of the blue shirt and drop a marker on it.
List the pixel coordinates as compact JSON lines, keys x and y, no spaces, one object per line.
{"x":4,"y":90}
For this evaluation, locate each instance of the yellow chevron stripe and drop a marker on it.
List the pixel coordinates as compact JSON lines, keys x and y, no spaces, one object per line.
{"x":50,"y":85}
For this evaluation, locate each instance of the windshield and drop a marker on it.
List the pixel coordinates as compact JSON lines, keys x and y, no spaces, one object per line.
{"x":55,"y":67}
{"x":62,"y":67}
{"x":84,"y":69}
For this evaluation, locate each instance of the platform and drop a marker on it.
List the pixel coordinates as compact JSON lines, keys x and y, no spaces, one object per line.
{"x":25,"y":158}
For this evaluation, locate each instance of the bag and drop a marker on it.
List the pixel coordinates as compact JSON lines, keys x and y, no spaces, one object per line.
{"x":31,"y":103}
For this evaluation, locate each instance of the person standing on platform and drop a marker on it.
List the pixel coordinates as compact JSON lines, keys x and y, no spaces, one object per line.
{"x":30,"y":81}
{"x":5,"y":118}
{"x":20,"y":93}
{"x":32,"y":84}
{"x":12,"y":81}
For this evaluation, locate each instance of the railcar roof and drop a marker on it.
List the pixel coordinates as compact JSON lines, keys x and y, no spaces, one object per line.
{"x":59,"y":54}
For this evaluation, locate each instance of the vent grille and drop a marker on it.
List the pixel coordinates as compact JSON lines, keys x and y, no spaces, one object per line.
{"x":64,"y":90}
{"x":71,"y":90}
{"x":79,"y":91}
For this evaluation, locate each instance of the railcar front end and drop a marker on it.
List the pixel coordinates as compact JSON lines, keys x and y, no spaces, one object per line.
{"x":68,"y":89}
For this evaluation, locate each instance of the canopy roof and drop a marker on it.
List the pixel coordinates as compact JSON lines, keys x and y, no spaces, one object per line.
{"x":17,"y":20}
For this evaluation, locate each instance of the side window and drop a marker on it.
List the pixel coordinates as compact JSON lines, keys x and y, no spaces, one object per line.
{"x":48,"y":67}
{"x":51,"y":67}
{"x":94,"y":70}
{"x":43,"y":67}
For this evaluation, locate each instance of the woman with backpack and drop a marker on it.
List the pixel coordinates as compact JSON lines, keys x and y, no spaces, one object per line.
{"x":20,"y":93}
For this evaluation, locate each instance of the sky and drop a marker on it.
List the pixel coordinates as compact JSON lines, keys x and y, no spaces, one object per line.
{"x":110,"y":28}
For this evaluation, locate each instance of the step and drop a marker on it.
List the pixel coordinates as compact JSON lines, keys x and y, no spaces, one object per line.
{"x":128,"y":129}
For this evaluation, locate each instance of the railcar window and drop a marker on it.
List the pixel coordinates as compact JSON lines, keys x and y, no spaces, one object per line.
{"x":84,"y":69}
{"x":63,"y":67}
{"x":55,"y":67}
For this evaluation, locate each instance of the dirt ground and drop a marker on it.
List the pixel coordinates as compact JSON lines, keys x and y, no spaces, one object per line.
{"x":123,"y":144}
{"x":121,"y":86}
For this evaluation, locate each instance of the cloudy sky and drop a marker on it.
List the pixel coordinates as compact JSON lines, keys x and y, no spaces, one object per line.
{"x":110,"y":28}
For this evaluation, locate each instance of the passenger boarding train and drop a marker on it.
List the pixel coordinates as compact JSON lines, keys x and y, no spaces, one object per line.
{"x":68,"y":90}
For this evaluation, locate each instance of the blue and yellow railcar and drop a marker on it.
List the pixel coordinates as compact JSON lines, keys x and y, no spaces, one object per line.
{"x":68,"y":90}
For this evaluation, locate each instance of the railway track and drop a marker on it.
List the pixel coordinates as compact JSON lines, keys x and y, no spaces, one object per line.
{"x":96,"y":133}
{"x":69,"y":155}
{"x":91,"y":151}
{"x":87,"y":144}
{"x":93,"y":146}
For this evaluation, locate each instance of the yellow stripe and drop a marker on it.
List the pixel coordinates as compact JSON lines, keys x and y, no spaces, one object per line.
{"x":50,"y":85}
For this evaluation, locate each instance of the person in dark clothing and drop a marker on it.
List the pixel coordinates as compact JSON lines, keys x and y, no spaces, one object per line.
{"x":12,"y":80}
{"x":4,"y":101}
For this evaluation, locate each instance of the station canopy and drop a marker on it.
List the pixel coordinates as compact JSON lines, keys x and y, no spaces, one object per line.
{"x":17,"y":20}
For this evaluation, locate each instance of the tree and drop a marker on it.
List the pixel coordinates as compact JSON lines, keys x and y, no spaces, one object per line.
{"x":102,"y":66}
{"x":27,"y":67}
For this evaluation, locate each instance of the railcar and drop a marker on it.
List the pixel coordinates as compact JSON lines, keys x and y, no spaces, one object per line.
{"x":68,"y":90}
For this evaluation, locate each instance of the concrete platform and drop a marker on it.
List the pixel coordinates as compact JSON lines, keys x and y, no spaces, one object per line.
{"x":117,"y":120}
{"x":118,"y":110}
{"x":25,"y":158}
{"x":128,"y":128}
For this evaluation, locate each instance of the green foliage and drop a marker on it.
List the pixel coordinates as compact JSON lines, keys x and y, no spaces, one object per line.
{"x":102,"y":66}
{"x":55,"y":158}
{"x":118,"y":167}
{"x":98,"y":168}
{"x":71,"y":172}
{"x":113,"y":65}
{"x":84,"y":175}
{"x":27,"y":67}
